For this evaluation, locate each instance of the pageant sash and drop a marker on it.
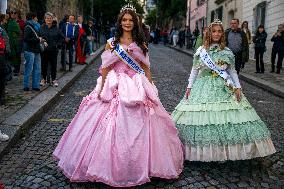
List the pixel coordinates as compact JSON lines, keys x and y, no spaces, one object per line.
{"x":125,"y":57}
{"x":206,"y":59}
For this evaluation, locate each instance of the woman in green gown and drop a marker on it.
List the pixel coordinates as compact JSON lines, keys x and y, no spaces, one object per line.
{"x":216,"y":122}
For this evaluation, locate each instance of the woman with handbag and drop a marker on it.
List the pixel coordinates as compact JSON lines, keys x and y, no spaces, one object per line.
{"x":32,"y":52}
{"x":54,"y":37}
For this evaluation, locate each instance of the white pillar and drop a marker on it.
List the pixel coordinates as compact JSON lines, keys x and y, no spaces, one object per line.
{"x":3,"y":6}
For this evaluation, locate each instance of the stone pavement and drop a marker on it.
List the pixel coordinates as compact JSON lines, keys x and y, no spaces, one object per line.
{"x":24,"y":108}
{"x":29,"y":164}
{"x":271,"y":82}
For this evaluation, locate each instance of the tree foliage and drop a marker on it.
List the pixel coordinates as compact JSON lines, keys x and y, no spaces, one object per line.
{"x":106,"y":11}
{"x":151,"y":18}
{"x":169,"y":10}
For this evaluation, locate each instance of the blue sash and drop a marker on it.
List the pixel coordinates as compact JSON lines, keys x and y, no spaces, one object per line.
{"x":206,"y":59}
{"x":125,"y":57}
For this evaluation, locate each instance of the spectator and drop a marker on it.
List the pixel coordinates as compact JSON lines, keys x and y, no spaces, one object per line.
{"x":4,"y":51}
{"x":54,"y":37}
{"x":81,"y":41}
{"x":90,"y":37}
{"x":175,"y":36}
{"x":70,"y":32}
{"x":181,"y":37}
{"x":259,"y":42}
{"x":14,"y":33}
{"x":278,"y":48}
{"x":236,"y":40}
{"x":246,"y":30}
{"x":188,"y":38}
{"x":32,"y":53}
{"x":199,"y":40}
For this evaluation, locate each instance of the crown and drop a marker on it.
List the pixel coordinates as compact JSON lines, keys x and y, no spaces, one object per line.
{"x":128,"y":7}
{"x":216,"y":21}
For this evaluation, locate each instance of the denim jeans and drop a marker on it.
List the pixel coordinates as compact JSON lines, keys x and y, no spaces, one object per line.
{"x":32,"y":66}
{"x":90,"y":46}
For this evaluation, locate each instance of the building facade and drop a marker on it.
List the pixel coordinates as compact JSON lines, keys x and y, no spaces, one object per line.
{"x":196,"y":14}
{"x":224,"y":10}
{"x":269,"y":13}
{"x":59,"y":8}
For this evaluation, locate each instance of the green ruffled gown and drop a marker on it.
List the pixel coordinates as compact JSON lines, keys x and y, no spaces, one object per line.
{"x":212,"y":124}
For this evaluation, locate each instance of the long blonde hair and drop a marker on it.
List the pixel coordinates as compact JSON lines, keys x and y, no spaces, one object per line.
{"x":207,"y":39}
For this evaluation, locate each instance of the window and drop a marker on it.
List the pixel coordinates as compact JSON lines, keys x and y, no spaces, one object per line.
{"x":231,"y":15}
{"x":212,"y":16}
{"x":219,"y":13}
{"x":200,"y":2}
{"x":259,"y":15}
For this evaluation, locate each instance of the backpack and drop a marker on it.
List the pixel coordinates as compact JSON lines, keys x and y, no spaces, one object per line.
{"x":2,"y":42}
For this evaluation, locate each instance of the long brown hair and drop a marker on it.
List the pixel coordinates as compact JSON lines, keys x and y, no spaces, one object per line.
{"x":207,"y":40}
{"x":137,"y":33}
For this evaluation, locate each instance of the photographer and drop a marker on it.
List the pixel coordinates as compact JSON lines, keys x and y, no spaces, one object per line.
{"x":278,"y":48}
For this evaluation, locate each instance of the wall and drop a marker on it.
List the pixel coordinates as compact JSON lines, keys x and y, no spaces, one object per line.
{"x":197,"y":13}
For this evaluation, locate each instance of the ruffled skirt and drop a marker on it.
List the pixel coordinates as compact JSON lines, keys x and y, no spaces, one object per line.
{"x":123,"y":139}
{"x":215,"y":127}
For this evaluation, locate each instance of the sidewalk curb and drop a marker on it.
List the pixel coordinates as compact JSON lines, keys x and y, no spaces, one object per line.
{"x":265,"y":85}
{"x":17,"y":124}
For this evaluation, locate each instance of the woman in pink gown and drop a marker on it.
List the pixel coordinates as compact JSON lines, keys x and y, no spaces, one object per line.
{"x":121,"y":134}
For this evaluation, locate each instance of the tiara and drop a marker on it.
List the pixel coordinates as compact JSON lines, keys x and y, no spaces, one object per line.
{"x":127,"y":8}
{"x":216,"y":21}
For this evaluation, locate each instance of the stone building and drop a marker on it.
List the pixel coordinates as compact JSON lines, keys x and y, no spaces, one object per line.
{"x":59,"y":8}
{"x":224,"y":10}
{"x":269,"y":13}
{"x":196,"y":14}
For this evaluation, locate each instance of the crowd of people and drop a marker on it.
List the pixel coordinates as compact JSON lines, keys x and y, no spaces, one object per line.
{"x":39,"y":43}
{"x":238,"y":39}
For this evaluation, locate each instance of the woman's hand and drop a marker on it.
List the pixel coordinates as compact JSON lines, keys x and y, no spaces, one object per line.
{"x":187,"y":93}
{"x":238,"y":93}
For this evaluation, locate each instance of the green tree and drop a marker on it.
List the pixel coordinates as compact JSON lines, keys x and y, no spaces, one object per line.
{"x":170,"y":9}
{"x":151,"y":18}
{"x":107,"y":10}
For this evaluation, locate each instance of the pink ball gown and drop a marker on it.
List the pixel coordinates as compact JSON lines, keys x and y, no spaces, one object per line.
{"x":125,"y":138}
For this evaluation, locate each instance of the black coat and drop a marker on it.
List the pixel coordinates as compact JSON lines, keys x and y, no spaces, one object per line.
{"x":278,"y":44}
{"x":31,"y":41}
{"x":259,"y":40}
{"x":53,"y":36}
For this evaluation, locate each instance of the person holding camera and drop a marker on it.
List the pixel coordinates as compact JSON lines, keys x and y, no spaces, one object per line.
{"x":32,"y":51}
{"x":54,"y":38}
{"x":277,"y":49}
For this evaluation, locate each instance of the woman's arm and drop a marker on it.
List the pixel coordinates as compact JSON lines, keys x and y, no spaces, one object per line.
{"x":147,"y":71}
{"x":105,"y":70}
{"x":192,"y":77}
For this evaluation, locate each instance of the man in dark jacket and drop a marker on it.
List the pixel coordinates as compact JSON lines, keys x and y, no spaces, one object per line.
{"x":236,"y":41}
{"x":32,"y":53}
{"x":70,"y":31}
{"x":278,"y":48}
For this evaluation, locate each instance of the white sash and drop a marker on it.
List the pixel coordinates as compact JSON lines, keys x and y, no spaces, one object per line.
{"x":206,"y":59}
{"x":125,"y":57}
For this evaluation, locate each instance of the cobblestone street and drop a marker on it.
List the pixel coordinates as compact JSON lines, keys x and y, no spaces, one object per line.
{"x":29,"y":164}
